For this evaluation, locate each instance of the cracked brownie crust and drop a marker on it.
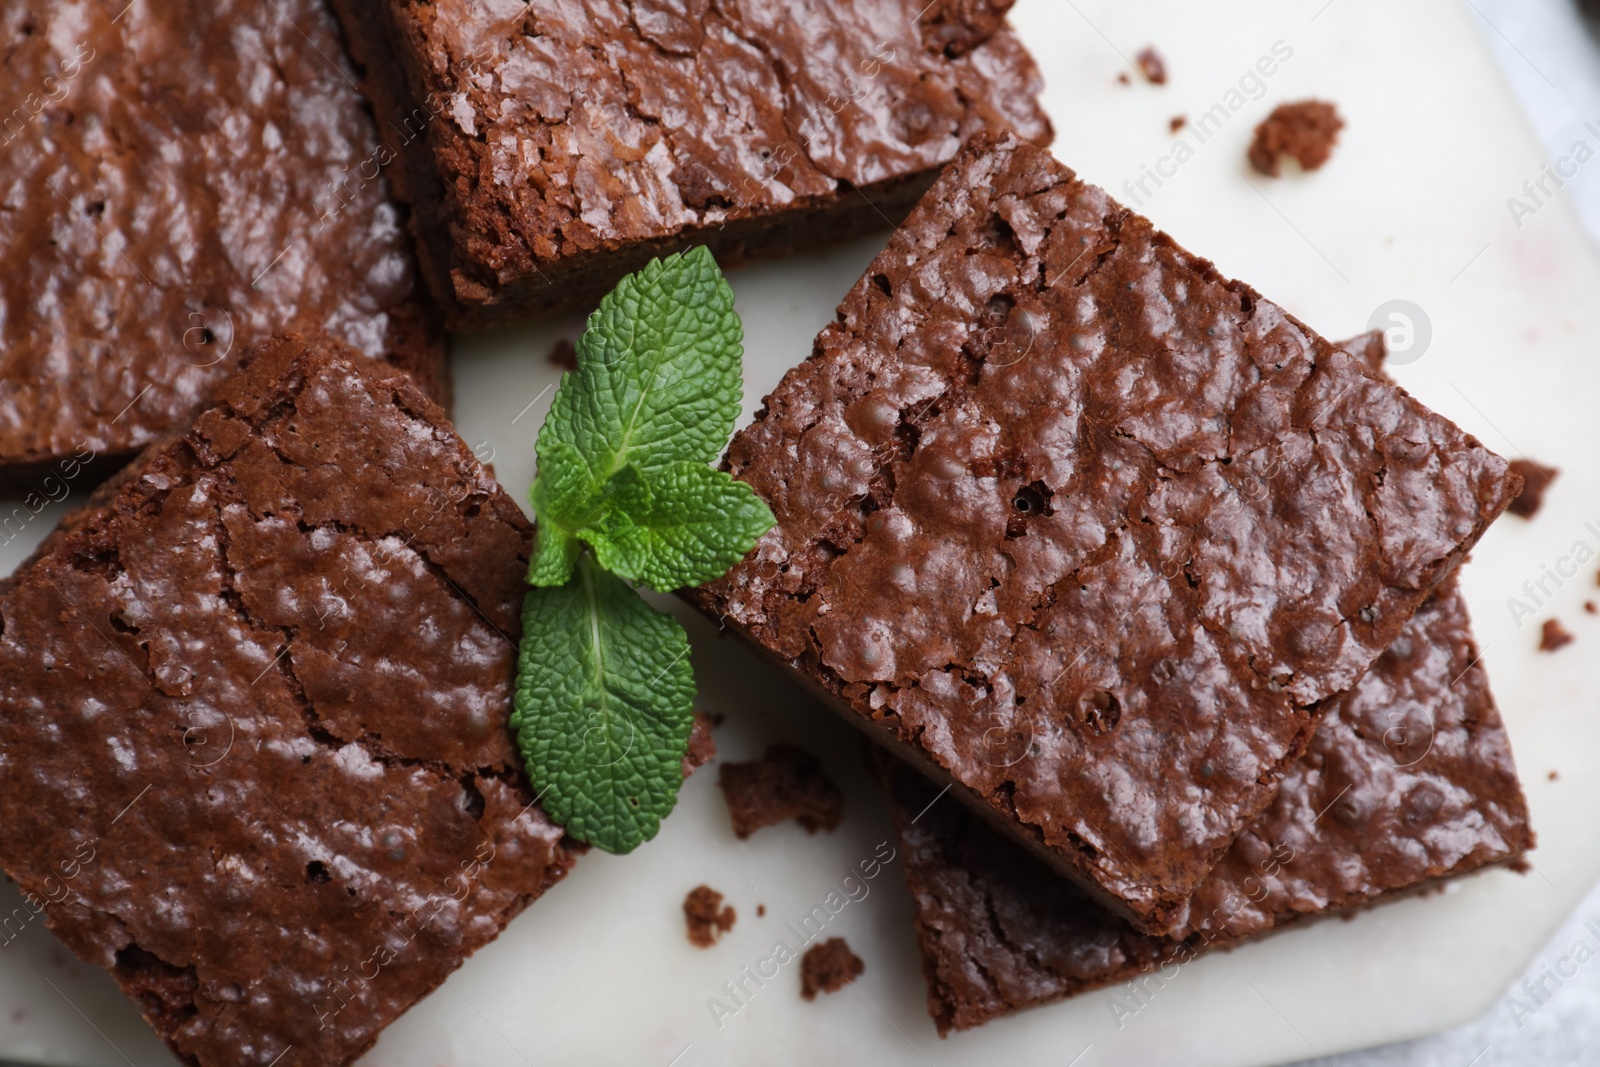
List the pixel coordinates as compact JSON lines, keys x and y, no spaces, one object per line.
{"x":550,"y":148}
{"x":1409,"y":780}
{"x":262,"y":683}
{"x":1086,"y":529}
{"x":183,"y":179}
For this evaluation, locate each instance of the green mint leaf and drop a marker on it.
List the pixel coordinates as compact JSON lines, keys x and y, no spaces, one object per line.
{"x":604,"y":708}
{"x":561,"y":497}
{"x":658,"y":377}
{"x":685,"y":525}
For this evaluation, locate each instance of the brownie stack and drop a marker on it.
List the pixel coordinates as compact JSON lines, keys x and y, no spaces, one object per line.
{"x":1155,"y":583}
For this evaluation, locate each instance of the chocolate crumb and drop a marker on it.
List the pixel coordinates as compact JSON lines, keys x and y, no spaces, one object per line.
{"x":761,"y":911}
{"x":1536,"y":478}
{"x":1591,"y":608}
{"x":1123,"y":79}
{"x":707,"y":918}
{"x":702,"y":746}
{"x":1306,"y":130}
{"x":1554,"y":776}
{"x":786,"y":783}
{"x":828,"y":967}
{"x":1152,"y":66}
{"x":564,"y":355}
{"x":1554,"y":636}
{"x":1177,"y":122}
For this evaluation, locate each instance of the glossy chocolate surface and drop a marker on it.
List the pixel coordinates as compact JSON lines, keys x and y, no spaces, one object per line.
{"x":551,"y":145}
{"x":1409,"y":780}
{"x":180,"y":181}
{"x":254,"y":752}
{"x":1087,"y":529}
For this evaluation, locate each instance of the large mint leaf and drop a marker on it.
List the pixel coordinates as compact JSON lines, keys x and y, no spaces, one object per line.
{"x":658,"y":377}
{"x":604,"y":707}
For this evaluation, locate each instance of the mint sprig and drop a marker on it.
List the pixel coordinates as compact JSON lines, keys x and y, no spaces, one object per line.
{"x":625,"y":494}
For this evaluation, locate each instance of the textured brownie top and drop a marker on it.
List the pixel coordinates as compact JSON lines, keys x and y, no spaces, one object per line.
{"x":253,"y":717}
{"x":1408,"y":780}
{"x":562,"y":129}
{"x":1086,"y":527}
{"x":183,"y":179}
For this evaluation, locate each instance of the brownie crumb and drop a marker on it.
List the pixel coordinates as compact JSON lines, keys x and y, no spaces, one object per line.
{"x":1177,"y":122}
{"x":786,"y":783}
{"x":1536,"y":478}
{"x":1554,"y":636}
{"x":1554,"y":776}
{"x":1591,"y":608}
{"x":1152,"y":66}
{"x":707,"y":918}
{"x":1306,"y":130}
{"x":564,"y":356}
{"x":828,"y":967}
{"x":1123,"y":79}
{"x":761,"y":911}
{"x":702,"y":746}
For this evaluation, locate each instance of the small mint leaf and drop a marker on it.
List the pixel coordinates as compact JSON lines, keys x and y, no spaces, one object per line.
{"x":555,"y":552}
{"x":604,"y":705}
{"x":658,"y":379}
{"x":685,"y":525}
{"x":561,"y":494}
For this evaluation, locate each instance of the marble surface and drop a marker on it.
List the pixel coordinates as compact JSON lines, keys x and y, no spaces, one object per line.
{"x":1412,"y":206}
{"x":1552,"y":1015}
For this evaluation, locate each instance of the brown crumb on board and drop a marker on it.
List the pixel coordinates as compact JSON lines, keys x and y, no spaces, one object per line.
{"x":702,"y":746}
{"x":1306,"y":130}
{"x":564,"y":355}
{"x":1591,"y":607}
{"x":1123,"y":79}
{"x":761,"y":911}
{"x":1177,"y":122}
{"x":1536,"y":478}
{"x":1554,"y":636}
{"x":786,"y":783}
{"x":1152,"y":66}
{"x":1554,"y":776}
{"x":707,"y":918}
{"x":828,"y":967}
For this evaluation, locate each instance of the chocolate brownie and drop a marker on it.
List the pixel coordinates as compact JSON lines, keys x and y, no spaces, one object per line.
{"x":1409,"y":781}
{"x":1087,"y":530}
{"x":787,"y":782}
{"x":550,"y":148}
{"x":183,"y":180}
{"x":253,"y":716}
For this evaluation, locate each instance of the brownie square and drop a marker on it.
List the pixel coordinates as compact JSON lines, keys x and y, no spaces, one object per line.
{"x":183,"y":179}
{"x":255,"y":758}
{"x":1086,"y":530}
{"x":550,"y":148}
{"x":1409,"y":781}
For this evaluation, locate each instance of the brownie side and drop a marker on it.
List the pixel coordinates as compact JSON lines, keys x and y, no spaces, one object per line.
{"x":1409,"y":781}
{"x":551,"y":149}
{"x":1087,"y":530}
{"x":195,"y":177}
{"x":254,"y":703}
